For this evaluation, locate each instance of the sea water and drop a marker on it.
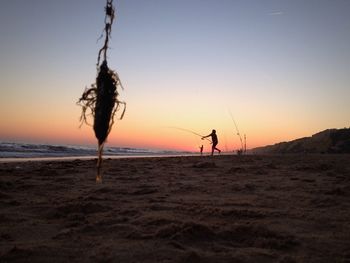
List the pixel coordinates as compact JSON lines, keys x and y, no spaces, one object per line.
{"x":16,"y":151}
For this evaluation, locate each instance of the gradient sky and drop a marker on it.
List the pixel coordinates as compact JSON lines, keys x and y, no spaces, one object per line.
{"x":282,"y":67}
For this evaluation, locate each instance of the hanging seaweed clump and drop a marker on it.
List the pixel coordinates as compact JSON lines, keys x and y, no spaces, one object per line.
{"x":101,"y":100}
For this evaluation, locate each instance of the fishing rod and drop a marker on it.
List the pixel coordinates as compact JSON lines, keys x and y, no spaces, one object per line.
{"x":192,"y":132}
{"x":238,"y":133}
{"x":245,"y":144}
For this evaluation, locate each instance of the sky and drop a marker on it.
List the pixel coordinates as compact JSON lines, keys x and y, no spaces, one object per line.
{"x":280,"y":67}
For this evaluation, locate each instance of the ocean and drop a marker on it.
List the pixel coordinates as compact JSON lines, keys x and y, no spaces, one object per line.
{"x":14,"y":150}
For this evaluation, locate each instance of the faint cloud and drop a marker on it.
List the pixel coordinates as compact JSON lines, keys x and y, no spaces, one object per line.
{"x":276,"y":13}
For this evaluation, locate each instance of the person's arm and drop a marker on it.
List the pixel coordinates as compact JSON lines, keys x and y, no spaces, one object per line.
{"x":206,"y":136}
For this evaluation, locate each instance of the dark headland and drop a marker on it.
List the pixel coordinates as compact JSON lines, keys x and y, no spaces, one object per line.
{"x":327,"y":141}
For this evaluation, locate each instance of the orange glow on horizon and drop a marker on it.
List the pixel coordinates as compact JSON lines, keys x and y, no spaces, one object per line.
{"x":154,"y":132}
{"x":123,"y":136}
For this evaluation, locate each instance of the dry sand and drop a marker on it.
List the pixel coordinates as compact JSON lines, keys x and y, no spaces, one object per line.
{"x":183,"y":209}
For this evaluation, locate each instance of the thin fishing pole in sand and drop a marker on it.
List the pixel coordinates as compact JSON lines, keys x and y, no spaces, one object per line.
{"x":238,"y":133}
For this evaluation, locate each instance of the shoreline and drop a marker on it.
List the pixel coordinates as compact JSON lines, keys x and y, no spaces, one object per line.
{"x":73,"y":158}
{"x":140,"y":156}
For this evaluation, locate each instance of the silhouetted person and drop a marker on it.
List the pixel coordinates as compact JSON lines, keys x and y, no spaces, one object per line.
{"x":201,"y":149}
{"x":214,"y":140}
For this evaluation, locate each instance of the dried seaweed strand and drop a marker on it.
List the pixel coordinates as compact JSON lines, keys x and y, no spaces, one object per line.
{"x":101,"y":100}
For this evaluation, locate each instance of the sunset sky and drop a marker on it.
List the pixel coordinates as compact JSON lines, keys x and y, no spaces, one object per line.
{"x":282,"y":67}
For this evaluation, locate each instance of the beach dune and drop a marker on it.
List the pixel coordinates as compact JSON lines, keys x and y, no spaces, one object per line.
{"x":272,"y":208}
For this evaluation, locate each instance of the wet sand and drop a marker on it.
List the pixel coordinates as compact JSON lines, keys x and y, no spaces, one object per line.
{"x":177,"y":209}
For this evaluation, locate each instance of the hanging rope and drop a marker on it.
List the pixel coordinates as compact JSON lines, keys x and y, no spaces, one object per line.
{"x":109,"y":18}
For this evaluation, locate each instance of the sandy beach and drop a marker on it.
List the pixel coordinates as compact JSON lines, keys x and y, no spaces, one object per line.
{"x":286,"y":208}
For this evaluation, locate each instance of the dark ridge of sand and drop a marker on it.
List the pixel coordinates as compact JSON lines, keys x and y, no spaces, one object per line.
{"x":291,"y":208}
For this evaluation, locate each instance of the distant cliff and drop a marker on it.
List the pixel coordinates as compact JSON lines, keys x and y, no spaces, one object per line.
{"x":328,"y":141}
